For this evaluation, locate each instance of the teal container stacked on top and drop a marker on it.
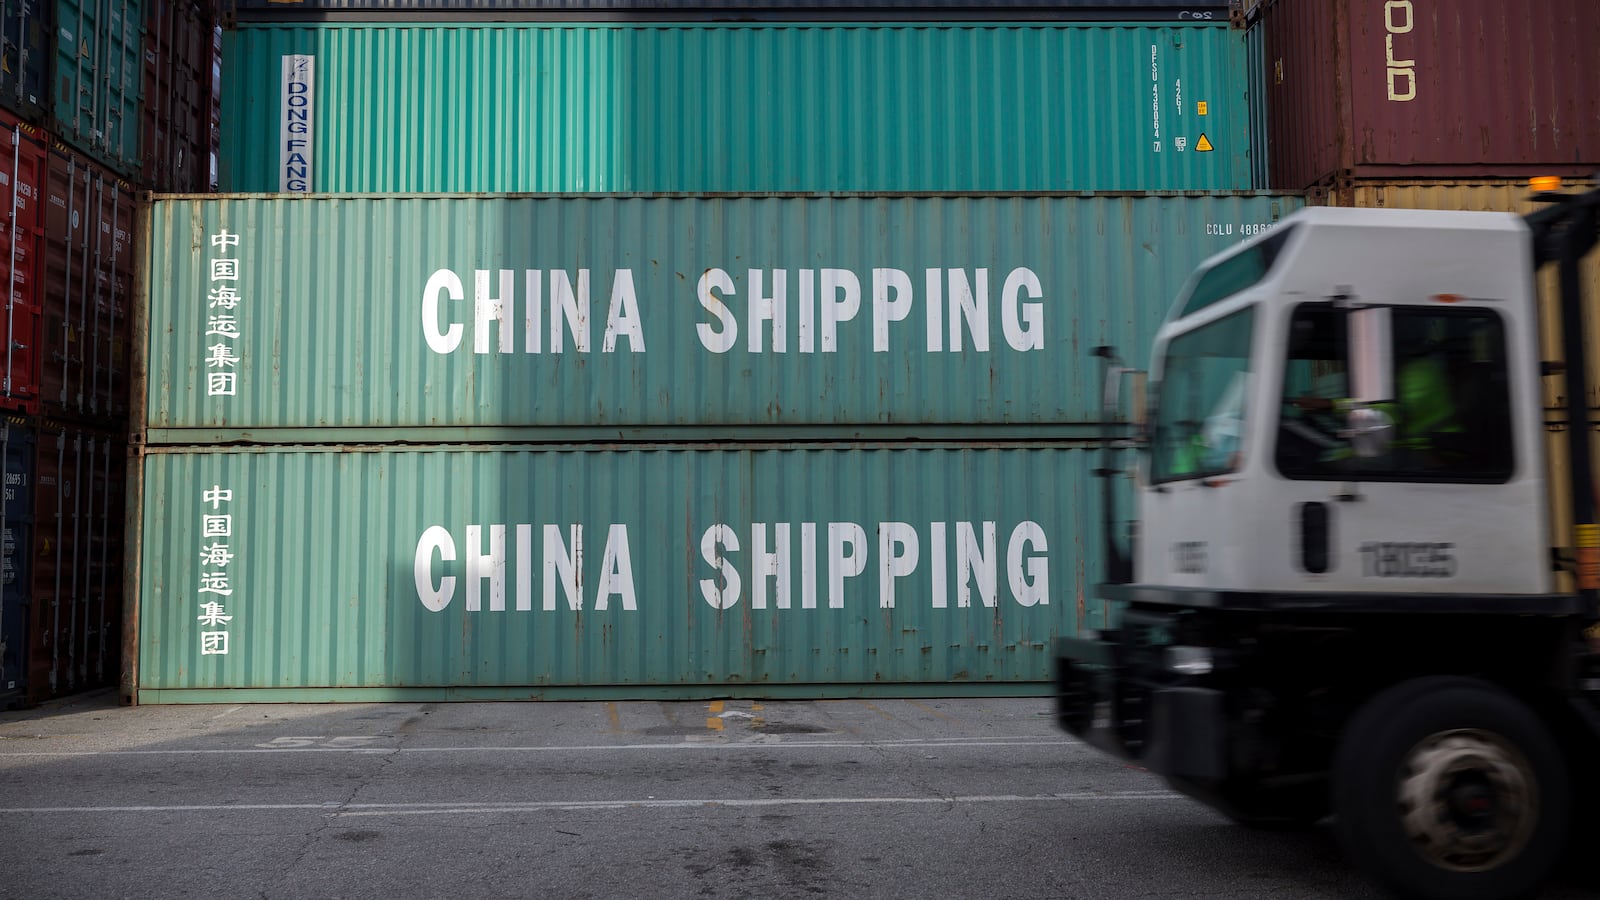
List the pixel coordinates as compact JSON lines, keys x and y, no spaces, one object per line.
{"x":99,"y":79}
{"x":746,"y":108}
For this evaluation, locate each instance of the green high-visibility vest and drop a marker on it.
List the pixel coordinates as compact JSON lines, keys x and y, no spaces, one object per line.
{"x":1423,"y":405}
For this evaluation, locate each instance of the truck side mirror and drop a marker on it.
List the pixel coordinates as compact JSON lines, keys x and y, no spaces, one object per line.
{"x":1369,"y":428}
{"x":1111,"y":402}
{"x":1371,"y":352}
{"x":1112,"y":374}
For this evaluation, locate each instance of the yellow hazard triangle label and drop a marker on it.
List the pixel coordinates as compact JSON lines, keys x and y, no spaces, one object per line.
{"x":1203,"y":145}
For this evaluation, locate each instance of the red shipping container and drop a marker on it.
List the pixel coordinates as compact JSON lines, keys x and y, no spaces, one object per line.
{"x":88,"y":285}
{"x":178,"y":102}
{"x":1430,"y":89}
{"x":22,"y":182}
{"x":76,"y":607}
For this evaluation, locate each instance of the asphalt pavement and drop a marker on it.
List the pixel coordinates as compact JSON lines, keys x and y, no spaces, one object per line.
{"x":844,"y":798}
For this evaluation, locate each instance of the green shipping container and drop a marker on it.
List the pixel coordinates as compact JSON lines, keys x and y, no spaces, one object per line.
{"x":359,"y":574}
{"x":696,"y":108}
{"x":283,"y":318}
{"x":99,"y":79}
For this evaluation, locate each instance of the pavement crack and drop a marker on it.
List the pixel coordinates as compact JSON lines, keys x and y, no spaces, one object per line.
{"x":332,"y":809}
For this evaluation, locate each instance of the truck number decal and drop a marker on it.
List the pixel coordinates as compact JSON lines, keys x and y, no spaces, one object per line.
{"x":1408,"y":560}
{"x":1189,"y":557}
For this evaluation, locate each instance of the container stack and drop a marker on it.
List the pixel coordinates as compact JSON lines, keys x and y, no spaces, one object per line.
{"x":97,"y":103}
{"x":565,"y":349}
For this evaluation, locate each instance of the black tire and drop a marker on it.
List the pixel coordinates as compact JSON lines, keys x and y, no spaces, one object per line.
{"x":1451,"y":788}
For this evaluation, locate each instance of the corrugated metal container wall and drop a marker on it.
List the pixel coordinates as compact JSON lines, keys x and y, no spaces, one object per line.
{"x":177,"y":127}
{"x":734,"y":108}
{"x":88,"y":289}
{"x":26,"y":46}
{"x":608,"y":313}
{"x":1164,"y":9}
{"x":1431,"y":88}
{"x":99,"y":78}
{"x":16,"y":556}
{"x":511,"y":572}
{"x":23,"y":167}
{"x":1492,"y":196}
{"x":79,"y":499}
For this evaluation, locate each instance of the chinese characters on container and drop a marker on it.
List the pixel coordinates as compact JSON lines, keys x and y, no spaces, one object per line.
{"x":216,"y":589}
{"x":222,"y":323}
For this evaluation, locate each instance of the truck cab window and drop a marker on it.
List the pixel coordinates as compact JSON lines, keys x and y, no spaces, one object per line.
{"x":1200,"y":404}
{"x":1451,"y":406}
{"x":1238,"y":272}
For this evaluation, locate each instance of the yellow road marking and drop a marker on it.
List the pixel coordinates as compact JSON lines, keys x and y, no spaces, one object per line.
{"x":931,"y":711}
{"x":614,"y":717}
{"x":878,"y":711}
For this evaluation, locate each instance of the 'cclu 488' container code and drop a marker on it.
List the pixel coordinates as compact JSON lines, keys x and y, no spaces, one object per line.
{"x":278,"y":318}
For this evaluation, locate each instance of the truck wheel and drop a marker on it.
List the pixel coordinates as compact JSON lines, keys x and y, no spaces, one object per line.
{"x":1451,"y":788}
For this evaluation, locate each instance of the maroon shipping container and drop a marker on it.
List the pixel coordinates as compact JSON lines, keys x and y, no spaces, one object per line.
{"x":1430,"y":89}
{"x":23,"y":163}
{"x":178,"y":103}
{"x":88,"y":288}
{"x":76,"y":604}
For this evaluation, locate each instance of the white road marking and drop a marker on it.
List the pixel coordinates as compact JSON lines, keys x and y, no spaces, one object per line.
{"x":429,"y":809}
{"x":698,"y":745}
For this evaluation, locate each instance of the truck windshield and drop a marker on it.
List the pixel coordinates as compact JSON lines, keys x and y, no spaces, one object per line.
{"x":1201,"y":401}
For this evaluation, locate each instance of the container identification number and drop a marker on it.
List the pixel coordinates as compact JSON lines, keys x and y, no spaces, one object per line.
{"x":1242,"y":229}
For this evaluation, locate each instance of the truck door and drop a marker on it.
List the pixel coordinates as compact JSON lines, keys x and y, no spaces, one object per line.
{"x":1445,"y":506}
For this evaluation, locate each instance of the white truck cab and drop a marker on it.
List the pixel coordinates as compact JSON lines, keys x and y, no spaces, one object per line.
{"x":1253,"y":482}
{"x":1362,"y":576}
